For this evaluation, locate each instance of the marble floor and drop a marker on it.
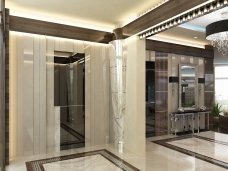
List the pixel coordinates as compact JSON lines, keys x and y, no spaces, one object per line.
{"x":156,"y":157}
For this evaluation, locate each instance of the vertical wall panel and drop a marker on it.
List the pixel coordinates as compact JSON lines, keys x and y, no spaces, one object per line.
{"x":52,"y":44}
{"x":134,"y":120}
{"x":28,"y":96}
{"x":13,"y":97}
{"x":209,"y":91}
{"x":161,"y":93}
{"x":92,"y":95}
{"x":36,"y":111}
{"x":20,"y":42}
{"x":43,"y":92}
{"x":87,"y":94}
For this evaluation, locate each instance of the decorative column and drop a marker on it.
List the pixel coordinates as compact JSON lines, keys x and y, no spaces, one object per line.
{"x":118,"y":90}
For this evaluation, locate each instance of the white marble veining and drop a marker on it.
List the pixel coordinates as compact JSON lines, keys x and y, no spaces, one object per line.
{"x":207,"y":148}
{"x":214,"y":135}
{"x":118,"y":89}
{"x":88,"y":163}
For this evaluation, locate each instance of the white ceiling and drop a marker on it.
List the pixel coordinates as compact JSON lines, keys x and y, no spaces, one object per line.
{"x":97,"y":14}
{"x":210,"y":18}
{"x":186,"y":34}
{"x":183,"y":36}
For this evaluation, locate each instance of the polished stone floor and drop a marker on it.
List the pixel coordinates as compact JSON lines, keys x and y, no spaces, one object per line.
{"x":156,"y":157}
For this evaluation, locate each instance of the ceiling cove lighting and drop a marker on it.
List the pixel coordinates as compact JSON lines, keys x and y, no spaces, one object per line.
{"x":217,"y":34}
{"x":154,"y":7}
{"x":180,"y":19}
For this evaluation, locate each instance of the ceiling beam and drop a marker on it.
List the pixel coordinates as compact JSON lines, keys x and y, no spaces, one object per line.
{"x":160,"y":14}
{"x":58,"y":30}
{"x":158,"y":46}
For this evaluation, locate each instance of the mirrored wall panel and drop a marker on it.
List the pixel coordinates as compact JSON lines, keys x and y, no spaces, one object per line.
{"x":188,"y":86}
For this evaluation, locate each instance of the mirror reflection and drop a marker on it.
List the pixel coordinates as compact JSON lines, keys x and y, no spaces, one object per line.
{"x":187,"y":86}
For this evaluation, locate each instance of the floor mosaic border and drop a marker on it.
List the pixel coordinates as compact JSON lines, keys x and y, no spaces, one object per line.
{"x":214,"y":161}
{"x":37,"y":165}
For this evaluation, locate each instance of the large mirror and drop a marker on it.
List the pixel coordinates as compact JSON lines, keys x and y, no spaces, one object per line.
{"x":188,"y":87}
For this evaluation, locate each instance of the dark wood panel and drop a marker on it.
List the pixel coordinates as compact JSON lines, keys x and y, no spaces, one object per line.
{"x":160,"y":14}
{"x":153,"y":45}
{"x":58,"y":30}
{"x":209,"y":69}
{"x":161,"y":123}
{"x":6,"y":86}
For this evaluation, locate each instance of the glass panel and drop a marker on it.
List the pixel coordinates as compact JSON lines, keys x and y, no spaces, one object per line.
{"x":150,"y":99}
{"x":221,"y":82}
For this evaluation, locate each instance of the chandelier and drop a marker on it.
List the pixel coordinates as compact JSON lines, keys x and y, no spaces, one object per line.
{"x":217,"y":34}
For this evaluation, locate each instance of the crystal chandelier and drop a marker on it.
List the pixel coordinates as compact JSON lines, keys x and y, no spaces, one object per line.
{"x":217,"y":34}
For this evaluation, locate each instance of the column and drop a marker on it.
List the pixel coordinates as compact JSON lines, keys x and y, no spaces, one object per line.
{"x":118,"y":91}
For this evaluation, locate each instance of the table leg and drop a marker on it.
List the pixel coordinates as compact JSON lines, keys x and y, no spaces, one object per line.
{"x":193,"y":125}
{"x":198,"y":122}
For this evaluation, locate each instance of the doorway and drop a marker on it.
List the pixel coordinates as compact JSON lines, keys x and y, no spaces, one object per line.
{"x":150,"y":99}
{"x":69,"y":99}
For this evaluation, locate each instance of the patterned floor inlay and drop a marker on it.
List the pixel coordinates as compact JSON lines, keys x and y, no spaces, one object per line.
{"x":70,"y":138}
{"x":100,"y":160}
{"x":202,"y":148}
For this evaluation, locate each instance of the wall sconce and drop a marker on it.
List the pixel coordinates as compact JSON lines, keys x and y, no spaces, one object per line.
{"x":173,"y":81}
{"x":201,"y":82}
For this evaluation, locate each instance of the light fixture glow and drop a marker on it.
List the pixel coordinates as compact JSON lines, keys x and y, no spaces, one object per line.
{"x":217,"y":34}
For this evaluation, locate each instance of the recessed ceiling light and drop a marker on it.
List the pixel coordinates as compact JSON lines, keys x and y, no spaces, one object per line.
{"x":195,"y":37}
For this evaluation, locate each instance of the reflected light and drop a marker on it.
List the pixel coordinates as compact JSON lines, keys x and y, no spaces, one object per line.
{"x":170,"y":39}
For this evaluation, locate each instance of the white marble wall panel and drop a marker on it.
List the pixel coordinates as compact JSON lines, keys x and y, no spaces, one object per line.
{"x":118,"y":89}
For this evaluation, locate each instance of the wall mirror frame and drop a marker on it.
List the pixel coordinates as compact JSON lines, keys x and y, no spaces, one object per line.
{"x":188,"y":86}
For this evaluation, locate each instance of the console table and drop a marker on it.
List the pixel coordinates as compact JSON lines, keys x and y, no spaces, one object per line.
{"x":193,"y":115}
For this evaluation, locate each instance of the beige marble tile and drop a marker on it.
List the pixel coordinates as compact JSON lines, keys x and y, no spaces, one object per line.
{"x":155,"y":157}
{"x":89,"y":163}
{"x":203,"y":147}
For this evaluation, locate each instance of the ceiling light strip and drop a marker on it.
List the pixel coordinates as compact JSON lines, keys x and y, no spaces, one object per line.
{"x":191,"y":14}
{"x":154,"y":7}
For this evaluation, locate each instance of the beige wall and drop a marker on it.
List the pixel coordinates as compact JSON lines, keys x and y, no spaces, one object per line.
{"x":34,"y":121}
{"x":134,"y":121}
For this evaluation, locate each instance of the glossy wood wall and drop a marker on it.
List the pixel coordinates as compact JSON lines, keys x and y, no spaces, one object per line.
{"x":161,"y":93}
{"x":209,"y":91}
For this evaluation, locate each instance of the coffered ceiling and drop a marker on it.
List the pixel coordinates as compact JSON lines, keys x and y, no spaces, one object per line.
{"x":96,"y":14}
